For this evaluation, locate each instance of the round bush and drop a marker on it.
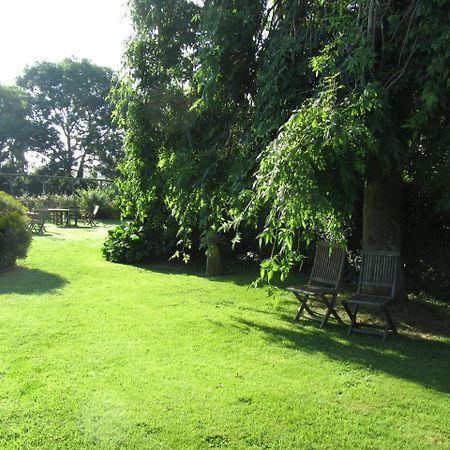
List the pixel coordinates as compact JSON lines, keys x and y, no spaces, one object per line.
{"x":15,"y":237}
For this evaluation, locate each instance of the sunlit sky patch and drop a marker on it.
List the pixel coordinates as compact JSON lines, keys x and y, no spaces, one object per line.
{"x":51,"y":30}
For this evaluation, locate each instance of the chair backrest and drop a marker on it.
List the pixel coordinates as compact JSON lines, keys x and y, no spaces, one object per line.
{"x":40,"y":215}
{"x":95,"y":211}
{"x":328,"y":265}
{"x":378,"y":274}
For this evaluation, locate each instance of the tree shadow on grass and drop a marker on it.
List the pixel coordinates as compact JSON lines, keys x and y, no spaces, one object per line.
{"x":244,"y":278}
{"x":426,"y":362}
{"x":239,"y":275}
{"x":24,"y":281}
{"x":423,"y":316}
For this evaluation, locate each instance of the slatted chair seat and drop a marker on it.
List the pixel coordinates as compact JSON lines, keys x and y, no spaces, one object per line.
{"x":368,"y":300}
{"x":323,"y":284}
{"x":311,"y":290}
{"x":376,"y":289}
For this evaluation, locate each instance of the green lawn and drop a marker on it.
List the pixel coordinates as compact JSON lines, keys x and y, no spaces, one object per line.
{"x":101,"y":355}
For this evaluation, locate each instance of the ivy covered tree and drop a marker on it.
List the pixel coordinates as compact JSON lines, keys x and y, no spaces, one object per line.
{"x":288,"y":116}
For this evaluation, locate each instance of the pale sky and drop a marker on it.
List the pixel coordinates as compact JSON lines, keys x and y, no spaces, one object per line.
{"x":51,"y":30}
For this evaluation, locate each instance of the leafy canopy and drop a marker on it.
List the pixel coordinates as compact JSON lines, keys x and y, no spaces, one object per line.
{"x":275,"y":114}
{"x":68,"y":102}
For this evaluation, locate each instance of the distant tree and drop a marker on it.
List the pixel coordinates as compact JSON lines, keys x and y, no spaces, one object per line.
{"x":69,"y":100}
{"x":15,"y":128}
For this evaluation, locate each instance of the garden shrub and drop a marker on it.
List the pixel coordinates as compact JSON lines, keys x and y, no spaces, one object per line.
{"x":15,"y":237}
{"x":103,"y":197}
{"x":134,"y":242}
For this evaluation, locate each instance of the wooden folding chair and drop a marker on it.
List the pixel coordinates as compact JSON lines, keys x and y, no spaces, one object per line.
{"x":37,"y":221}
{"x":323,"y":283}
{"x":90,"y":217}
{"x":376,"y":289}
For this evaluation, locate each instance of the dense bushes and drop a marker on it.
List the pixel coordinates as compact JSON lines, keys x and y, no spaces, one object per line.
{"x":427,"y":242}
{"x":86,"y":199}
{"x":15,"y":237}
{"x":133,"y":243}
{"x":105,"y":198}
{"x":49,"y":201}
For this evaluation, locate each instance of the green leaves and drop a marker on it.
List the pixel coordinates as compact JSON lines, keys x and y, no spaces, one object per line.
{"x":328,"y":94}
{"x":72,"y":117}
{"x":309,"y":175}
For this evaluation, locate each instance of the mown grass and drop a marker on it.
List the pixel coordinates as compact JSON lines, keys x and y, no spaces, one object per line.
{"x":100,"y":355}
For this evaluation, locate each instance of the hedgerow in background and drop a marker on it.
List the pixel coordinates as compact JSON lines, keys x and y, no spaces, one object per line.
{"x":48,"y":201}
{"x":104,"y":197}
{"x":86,"y":199}
{"x":15,"y":237}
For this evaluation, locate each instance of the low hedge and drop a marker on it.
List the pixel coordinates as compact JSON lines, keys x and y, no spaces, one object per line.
{"x":86,"y":199}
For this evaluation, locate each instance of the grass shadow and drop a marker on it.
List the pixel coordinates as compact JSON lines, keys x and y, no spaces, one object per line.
{"x":243,"y":277}
{"x":25,"y":281}
{"x":423,"y":361}
{"x":423,"y":316}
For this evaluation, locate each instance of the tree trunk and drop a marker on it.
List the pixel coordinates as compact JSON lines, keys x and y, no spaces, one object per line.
{"x":213,"y":261}
{"x":213,"y":258}
{"x":381,"y":217}
{"x":80,"y":173}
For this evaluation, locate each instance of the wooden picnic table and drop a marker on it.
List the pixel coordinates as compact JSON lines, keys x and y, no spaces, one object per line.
{"x":63,"y":216}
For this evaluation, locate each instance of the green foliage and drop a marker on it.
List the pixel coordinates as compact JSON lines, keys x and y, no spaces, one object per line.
{"x":134,"y":243}
{"x":49,"y":201}
{"x":16,"y":130}
{"x":15,"y":237}
{"x":332,"y":96}
{"x":185,"y":107}
{"x":308,"y":177}
{"x":69,"y":104}
{"x":104,"y":197}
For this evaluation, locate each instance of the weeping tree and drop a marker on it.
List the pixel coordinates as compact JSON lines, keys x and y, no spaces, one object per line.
{"x":287,"y":115}
{"x":379,"y":108}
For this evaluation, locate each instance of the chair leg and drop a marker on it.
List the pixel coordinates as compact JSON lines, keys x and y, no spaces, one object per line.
{"x":328,"y":312}
{"x":352,"y":315}
{"x":337,"y":316}
{"x":330,"y":304}
{"x":390,"y":325}
{"x":301,"y":307}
